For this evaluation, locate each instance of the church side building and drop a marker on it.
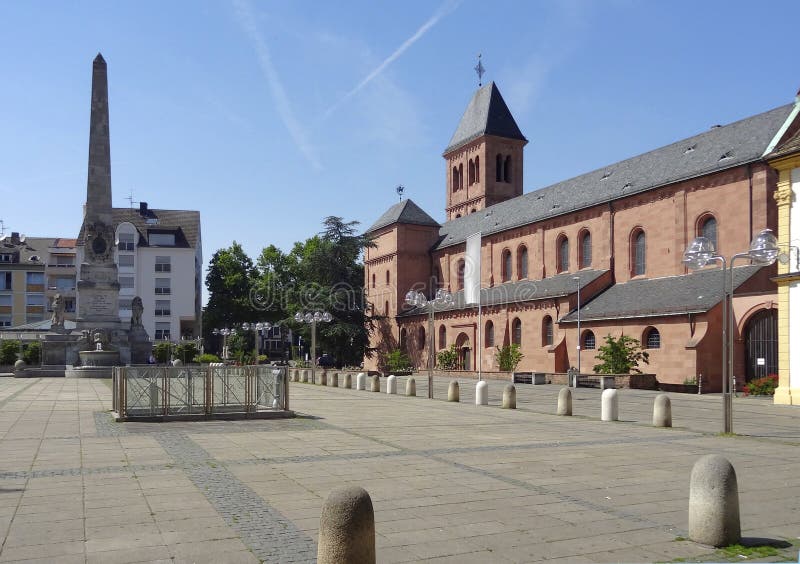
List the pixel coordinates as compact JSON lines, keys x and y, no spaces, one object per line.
{"x":616,"y":235}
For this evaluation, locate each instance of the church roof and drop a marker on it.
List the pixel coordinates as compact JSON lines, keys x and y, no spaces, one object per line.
{"x":718,"y":149}
{"x":696,"y":292}
{"x":556,"y":286}
{"x":405,"y":211}
{"x":486,"y":114}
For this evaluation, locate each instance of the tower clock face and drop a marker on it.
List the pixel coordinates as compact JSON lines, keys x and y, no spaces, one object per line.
{"x":99,"y":245}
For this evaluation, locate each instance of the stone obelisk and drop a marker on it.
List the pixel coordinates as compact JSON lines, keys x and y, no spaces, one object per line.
{"x":98,"y":287}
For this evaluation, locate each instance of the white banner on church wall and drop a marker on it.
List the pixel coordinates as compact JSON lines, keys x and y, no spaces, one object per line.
{"x":472,"y":270}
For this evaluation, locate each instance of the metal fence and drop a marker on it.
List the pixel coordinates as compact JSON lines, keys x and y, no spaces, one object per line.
{"x":199,"y":391}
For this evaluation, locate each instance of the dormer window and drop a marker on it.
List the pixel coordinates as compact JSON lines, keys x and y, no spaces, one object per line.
{"x":125,"y":242}
{"x":5,"y":257}
{"x":161,"y":239}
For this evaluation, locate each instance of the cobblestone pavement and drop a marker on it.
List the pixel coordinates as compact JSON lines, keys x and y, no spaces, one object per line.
{"x":449,"y":482}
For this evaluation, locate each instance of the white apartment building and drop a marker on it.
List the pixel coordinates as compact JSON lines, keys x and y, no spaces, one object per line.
{"x":159,"y":258}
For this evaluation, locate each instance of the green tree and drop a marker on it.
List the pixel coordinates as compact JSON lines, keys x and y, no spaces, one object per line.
{"x":229,"y":282}
{"x":508,"y":357}
{"x":8,"y":351}
{"x":621,"y":356}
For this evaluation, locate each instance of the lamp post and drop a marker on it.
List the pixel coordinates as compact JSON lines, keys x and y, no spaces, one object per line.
{"x":225,"y":332}
{"x":763,"y":251}
{"x":256,"y":327}
{"x":578,"y":280}
{"x":313,"y":319}
{"x":418,"y":299}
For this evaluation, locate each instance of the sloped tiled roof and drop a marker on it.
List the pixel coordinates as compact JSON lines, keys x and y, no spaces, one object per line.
{"x":62,"y":243}
{"x":522,"y":291}
{"x":486,"y":114}
{"x":696,"y":292}
{"x":33,"y":250}
{"x":185,"y":223}
{"x":404,"y":212}
{"x":720,"y":148}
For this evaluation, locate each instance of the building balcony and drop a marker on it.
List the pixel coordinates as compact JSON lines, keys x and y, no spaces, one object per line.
{"x":34,"y":288}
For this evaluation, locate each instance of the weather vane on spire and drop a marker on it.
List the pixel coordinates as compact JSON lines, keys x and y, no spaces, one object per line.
{"x":480,"y":70}
{"x":400,"y":189}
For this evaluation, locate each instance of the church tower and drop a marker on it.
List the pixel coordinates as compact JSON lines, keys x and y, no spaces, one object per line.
{"x":484,"y":156}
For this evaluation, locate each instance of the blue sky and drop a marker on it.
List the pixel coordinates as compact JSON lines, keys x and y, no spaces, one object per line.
{"x":269,"y":116}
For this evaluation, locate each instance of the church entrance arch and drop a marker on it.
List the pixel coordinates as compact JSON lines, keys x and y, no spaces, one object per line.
{"x":464,"y":352}
{"x":761,"y":344}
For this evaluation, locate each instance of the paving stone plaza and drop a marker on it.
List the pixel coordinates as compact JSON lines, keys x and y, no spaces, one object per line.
{"x":449,"y":482}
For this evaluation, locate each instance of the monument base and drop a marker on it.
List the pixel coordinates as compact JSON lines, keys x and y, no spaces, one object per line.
{"x":89,"y":372}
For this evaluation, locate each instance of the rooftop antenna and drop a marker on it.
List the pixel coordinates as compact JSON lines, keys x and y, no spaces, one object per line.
{"x":480,"y":70}
{"x":2,"y":228}
{"x":400,"y":189}
{"x":130,"y":199}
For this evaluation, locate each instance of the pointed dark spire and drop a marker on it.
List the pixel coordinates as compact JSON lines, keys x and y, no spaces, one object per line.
{"x":486,"y":114}
{"x":98,"y":186}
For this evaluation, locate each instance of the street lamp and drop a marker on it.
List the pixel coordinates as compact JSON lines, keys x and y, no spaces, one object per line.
{"x":225,"y":334}
{"x":313,"y":319}
{"x":256,"y":327}
{"x":578,"y":280}
{"x":418,"y":299}
{"x":763,"y":252}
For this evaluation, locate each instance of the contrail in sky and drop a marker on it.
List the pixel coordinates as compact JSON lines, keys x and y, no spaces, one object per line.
{"x":246,"y":19}
{"x":443,"y":10}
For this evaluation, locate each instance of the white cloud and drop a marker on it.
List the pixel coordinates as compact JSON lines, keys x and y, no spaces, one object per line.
{"x":296,"y":131}
{"x":444,"y":9}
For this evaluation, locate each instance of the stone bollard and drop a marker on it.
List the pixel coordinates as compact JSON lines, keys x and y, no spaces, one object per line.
{"x":391,"y":384}
{"x":361,"y":381}
{"x":662,"y":411}
{"x":411,"y":387}
{"x":348,"y":380}
{"x":177,"y":362}
{"x":510,"y":397}
{"x":564,"y":402}
{"x":376,"y":384}
{"x":609,"y":409}
{"x":347,"y":528}
{"x":323,"y":378}
{"x":304,"y":377}
{"x":714,"y":502}
{"x":453,"y":392}
{"x":335,"y":380}
{"x":482,"y":393}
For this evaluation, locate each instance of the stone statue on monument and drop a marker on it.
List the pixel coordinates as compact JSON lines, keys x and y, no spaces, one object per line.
{"x":57,"y":320}
{"x":137,"y":309}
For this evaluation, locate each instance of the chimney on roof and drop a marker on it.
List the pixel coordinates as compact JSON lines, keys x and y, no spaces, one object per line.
{"x":143,"y":208}
{"x":15,"y":237}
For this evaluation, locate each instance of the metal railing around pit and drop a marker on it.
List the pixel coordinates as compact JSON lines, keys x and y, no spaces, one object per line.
{"x":198,"y":391}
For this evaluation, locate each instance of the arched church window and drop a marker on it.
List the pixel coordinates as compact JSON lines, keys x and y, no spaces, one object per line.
{"x":507,"y":169}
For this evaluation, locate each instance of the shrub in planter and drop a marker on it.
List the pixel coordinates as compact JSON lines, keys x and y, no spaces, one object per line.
{"x":32,"y":353}
{"x":8,"y":351}
{"x":397,"y":361}
{"x":448,"y":358}
{"x":508,"y":357}
{"x":762,"y":386}
{"x":206,"y":358}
